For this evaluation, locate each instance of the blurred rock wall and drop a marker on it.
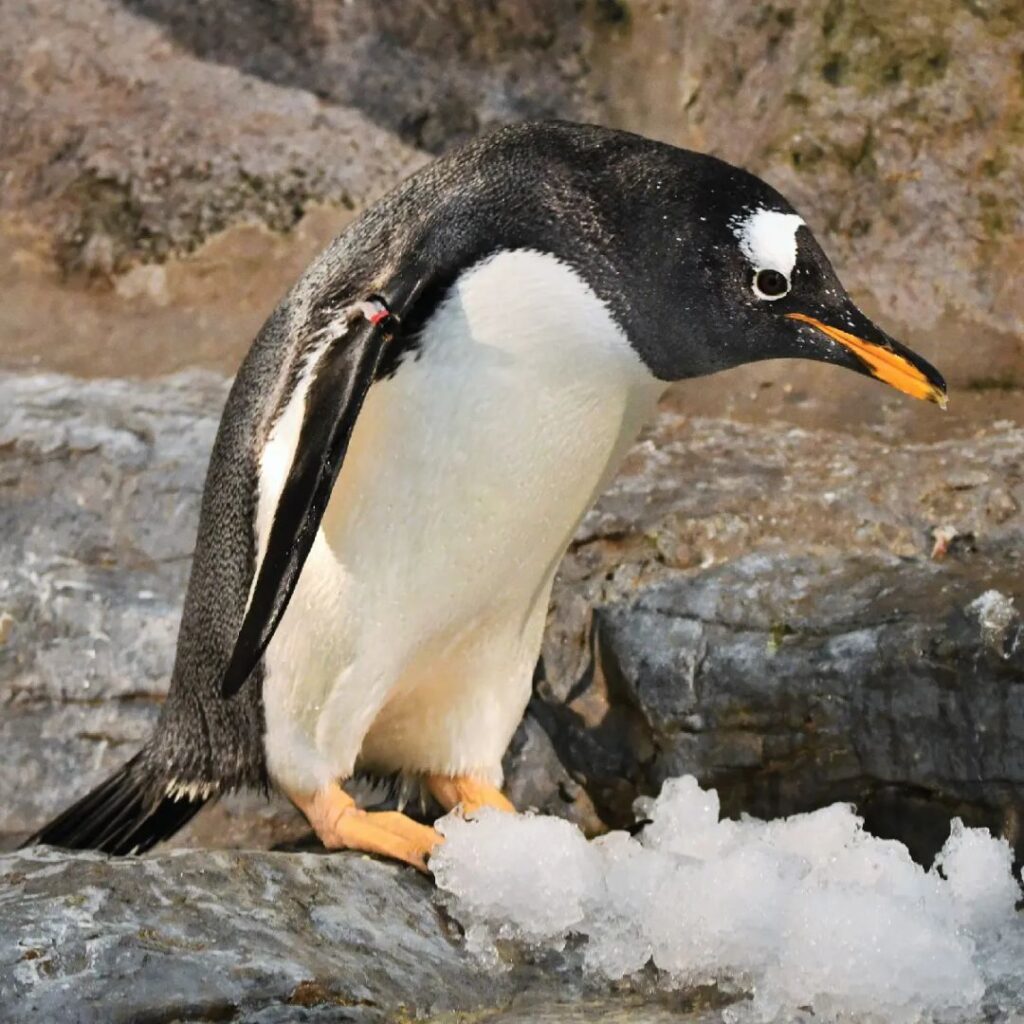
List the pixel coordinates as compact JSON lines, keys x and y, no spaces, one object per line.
{"x":134,"y":130}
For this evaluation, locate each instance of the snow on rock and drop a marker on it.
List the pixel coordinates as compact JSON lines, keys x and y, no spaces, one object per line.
{"x":805,"y":912}
{"x":547,"y":873}
{"x":995,"y":613}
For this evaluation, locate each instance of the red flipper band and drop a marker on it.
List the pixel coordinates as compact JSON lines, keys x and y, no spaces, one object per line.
{"x":374,"y":311}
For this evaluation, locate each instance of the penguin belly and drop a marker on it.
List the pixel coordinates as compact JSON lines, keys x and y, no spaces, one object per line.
{"x":411,"y":638}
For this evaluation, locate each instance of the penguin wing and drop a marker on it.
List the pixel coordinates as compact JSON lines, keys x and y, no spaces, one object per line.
{"x":343,"y":375}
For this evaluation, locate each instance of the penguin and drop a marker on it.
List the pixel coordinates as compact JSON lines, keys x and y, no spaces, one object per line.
{"x":411,"y":442}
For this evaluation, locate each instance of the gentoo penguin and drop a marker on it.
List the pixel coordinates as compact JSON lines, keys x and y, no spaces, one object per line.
{"x":411,"y":442}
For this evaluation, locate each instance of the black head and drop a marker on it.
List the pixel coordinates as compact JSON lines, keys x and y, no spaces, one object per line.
{"x":720,"y":270}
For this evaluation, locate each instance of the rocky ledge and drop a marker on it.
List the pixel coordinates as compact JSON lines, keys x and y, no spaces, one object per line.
{"x":263,"y":938}
{"x":797,"y":618}
{"x":794,"y":617}
{"x":791,"y":616}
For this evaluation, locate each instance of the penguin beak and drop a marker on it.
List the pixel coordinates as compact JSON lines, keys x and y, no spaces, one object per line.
{"x":879,"y":356}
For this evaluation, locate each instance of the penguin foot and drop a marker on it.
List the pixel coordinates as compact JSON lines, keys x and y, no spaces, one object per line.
{"x":341,"y":825}
{"x":468,"y":793}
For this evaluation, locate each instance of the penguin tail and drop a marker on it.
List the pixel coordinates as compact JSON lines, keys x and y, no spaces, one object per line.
{"x":128,"y":813}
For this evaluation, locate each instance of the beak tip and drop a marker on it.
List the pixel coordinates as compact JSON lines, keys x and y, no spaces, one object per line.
{"x":939,"y":393}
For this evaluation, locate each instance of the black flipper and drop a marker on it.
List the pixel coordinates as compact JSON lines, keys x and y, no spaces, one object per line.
{"x":344,"y":374}
{"x":126,"y":814}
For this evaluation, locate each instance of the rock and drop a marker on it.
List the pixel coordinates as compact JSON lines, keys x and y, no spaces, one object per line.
{"x":759,"y":608}
{"x":894,"y":127}
{"x":101,"y":488}
{"x":756,"y":606}
{"x":435,"y":73}
{"x":123,"y":147}
{"x":258,"y":937}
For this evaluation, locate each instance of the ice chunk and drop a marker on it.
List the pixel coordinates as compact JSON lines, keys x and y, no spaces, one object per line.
{"x":995,"y":613}
{"x":685,"y":820}
{"x":818,"y":837}
{"x":810,"y":912}
{"x":979,"y":874}
{"x":848,"y":952}
{"x":633,"y":882}
{"x":522,"y":876}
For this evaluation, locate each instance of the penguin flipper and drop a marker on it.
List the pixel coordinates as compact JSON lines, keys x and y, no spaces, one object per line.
{"x":123,"y":815}
{"x":343,"y":375}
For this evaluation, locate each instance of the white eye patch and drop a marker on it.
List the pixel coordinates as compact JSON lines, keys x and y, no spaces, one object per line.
{"x":768,"y":239}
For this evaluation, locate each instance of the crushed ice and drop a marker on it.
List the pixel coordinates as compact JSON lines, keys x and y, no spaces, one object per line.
{"x":996,"y":614}
{"x":809,"y":913}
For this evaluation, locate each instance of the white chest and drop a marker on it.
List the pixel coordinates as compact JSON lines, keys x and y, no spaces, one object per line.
{"x":416,"y":622}
{"x":471,"y":467}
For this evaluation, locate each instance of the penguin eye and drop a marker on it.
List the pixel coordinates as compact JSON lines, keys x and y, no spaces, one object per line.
{"x":770,"y":284}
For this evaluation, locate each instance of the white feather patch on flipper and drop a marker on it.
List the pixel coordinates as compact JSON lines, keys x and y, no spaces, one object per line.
{"x":768,"y":239}
{"x":177,"y":790}
{"x":279,"y":451}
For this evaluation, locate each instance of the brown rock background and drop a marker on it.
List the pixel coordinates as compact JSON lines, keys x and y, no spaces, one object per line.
{"x":133,"y":134}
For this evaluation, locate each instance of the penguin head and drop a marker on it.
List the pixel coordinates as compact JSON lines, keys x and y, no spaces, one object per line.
{"x":734,"y":275}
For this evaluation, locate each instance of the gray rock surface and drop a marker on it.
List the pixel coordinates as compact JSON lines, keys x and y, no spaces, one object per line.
{"x":761,"y":608}
{"x":259,"y":938}
{"x":756,"y":606}
{"x":101,"y":488}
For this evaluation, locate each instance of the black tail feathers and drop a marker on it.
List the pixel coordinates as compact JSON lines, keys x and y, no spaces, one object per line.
{"x":129,"y":813}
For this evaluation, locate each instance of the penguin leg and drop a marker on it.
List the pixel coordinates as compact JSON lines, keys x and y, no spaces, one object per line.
{"x":469,"y":793}
{"x":341,"y":825}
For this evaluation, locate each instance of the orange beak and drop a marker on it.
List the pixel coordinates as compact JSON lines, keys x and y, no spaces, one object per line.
{"x":884,"y":364}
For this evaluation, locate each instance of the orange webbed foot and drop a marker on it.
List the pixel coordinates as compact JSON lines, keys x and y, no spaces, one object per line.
{"x":341,"y":825}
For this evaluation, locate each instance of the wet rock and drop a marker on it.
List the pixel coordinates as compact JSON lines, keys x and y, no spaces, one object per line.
{"x":258,"y":938}
{"x":760,"y":608}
